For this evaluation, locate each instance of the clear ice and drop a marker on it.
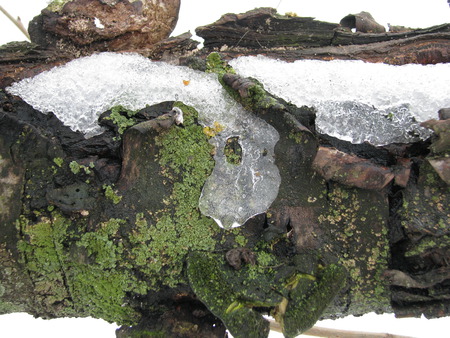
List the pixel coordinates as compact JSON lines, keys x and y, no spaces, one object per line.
{"x":78,"y":92}
{"x":357,"y":101}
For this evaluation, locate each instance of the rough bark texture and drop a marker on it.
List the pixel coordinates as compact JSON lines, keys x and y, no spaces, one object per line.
{"x":109,"y":226}
{"x":262,"y":31}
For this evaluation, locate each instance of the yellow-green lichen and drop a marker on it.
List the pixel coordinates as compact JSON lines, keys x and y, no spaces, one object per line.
{"x":121,"y":121}
{"x":356,"y":220}
{"x":58,"y":161}
{"x":426,"y":206}
{"x":83,"y":271}
{"x":57,"y":5}
{"x":167,"y":236}
{"x":76,"y":168}
{"x":111,"y":194}
{"x":428,"y":243}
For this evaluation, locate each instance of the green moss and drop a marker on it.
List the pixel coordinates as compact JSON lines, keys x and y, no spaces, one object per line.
{"x":111,"y":194}
{"x":211,"y":288}
{"x":295,"y":299}
{"x":305,"y":307}
{"x":257,"y":96}
{"x":233,"y":151}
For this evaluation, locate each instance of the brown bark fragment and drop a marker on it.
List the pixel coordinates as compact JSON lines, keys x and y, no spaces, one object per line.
{"x":350,"y":170}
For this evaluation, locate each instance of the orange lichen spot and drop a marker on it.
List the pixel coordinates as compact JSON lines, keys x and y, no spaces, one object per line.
{"x":186,"y":82}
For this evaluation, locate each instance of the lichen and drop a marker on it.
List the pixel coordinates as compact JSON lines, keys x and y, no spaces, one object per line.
{"x":214,"y":130}
{"x":58,"y":161}
{"x":428,"y":243}
{"x":111,"y":194}
{"x":355,"y":218}
{"x":425,"y":206}
{"x":57,"y":5}
{"x":186,"y":160}
{"x":76,"y":168}
{"x":120,"y":120}
{"x":82,"y":270}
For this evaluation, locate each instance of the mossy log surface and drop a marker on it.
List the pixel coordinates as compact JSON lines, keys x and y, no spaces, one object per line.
{"x":109,"y":226}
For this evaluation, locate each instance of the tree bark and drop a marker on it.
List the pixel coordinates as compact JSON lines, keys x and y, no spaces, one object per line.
{"x":109,"y":226}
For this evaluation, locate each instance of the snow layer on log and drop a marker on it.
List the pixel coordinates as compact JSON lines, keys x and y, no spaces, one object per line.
{"x":78,"y":92}
{"x":357,"y":101}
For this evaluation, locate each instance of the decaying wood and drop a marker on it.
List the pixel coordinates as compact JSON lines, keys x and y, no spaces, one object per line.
{"x":262,"y":31}
{"x":316,"y":210}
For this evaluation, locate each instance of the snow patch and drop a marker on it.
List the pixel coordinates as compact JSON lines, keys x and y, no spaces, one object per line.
{"x":357,"y":101}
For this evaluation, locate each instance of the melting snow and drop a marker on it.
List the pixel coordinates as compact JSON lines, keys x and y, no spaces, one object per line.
{"x":357,"y":101}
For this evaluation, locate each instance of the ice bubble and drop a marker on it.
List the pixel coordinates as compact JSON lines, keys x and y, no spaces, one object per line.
{"x":78,"y":92}
{"x":406,"y":94}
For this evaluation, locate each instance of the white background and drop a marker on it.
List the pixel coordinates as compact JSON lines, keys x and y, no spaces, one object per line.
{"x":194,"y":13}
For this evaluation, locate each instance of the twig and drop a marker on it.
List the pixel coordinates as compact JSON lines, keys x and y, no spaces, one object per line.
{"x":278,"y":4}
{"x":335,"y":333}
{"x":17,"y":22}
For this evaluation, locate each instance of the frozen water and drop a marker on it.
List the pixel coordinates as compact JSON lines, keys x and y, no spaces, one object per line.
{"x":357,"y":101}
{"x":232,"y":190}
{"x":358,"y":122}
{"x":78,"y":92}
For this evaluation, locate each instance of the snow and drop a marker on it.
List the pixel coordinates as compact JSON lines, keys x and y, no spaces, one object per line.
{"x":357,"y":101}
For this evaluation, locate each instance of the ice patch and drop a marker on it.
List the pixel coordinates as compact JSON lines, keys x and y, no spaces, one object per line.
{"x":78,"y":92}
{"x":353,"y":98}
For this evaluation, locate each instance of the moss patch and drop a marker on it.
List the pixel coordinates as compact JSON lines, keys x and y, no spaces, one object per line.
{"x":215,"y":64}
{"x":240,"y":297}
{"x":306,"y":305}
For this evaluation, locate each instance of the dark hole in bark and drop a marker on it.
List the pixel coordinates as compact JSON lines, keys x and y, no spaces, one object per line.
{"x":233,"y":151}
